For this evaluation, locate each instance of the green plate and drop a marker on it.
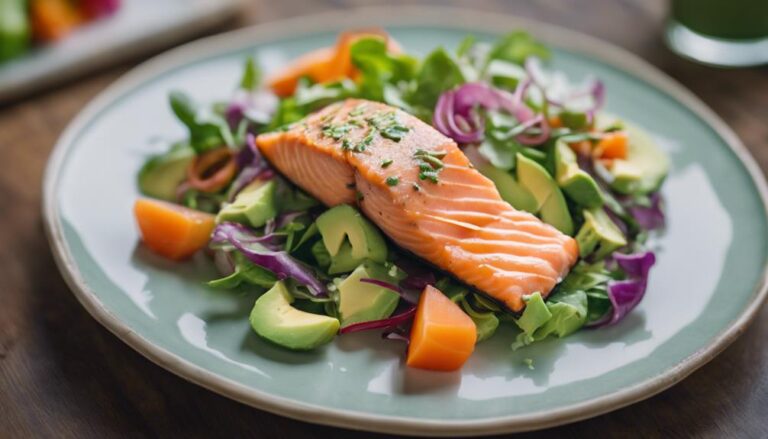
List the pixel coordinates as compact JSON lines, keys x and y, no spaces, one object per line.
{"x":709,"y":280}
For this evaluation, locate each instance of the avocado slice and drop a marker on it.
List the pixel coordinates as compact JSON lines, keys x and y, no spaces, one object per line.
{"x":361,"y":301}
{"x":646,"y":165}
{"x":343,"y":261}
{"x":342,"y":225}
{"x":254,"y":205}
{"x":576,"y":183}
{"x":162,"y":174}
{"x":276,"y":320}
{"x":510,"y":189}
{"x":599,"y":234}
{"x":550,"y":201}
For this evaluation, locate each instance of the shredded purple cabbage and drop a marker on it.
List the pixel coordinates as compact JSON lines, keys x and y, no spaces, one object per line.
{"x":626,"y":294}
{"x":252,"y":167}
{"x":281,"y":221}
{"x":263,"y":251}
{"x":649,"y":217}
{"x":388,"y":323}
{"x":408,"y":296}
{"x":256,"y":106}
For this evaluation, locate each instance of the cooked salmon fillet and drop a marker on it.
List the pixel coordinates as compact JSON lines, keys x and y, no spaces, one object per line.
{"x":424,"y":193}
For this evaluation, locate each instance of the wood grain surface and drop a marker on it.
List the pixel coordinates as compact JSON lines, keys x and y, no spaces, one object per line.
{"x":62,"y":375}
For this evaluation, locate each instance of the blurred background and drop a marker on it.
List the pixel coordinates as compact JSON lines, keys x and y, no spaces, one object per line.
{"x":80,"y":381}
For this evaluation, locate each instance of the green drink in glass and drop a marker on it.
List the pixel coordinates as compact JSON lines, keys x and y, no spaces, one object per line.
{"x":728,"y":33}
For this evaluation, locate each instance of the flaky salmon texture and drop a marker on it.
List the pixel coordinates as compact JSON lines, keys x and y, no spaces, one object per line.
{"x":423,"y":192}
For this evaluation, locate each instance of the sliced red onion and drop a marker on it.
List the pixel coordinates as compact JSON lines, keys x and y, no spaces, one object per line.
{"x":535,"y":139}
{"x":390,"y":322}
{"x":445,"y":122}
{"x":455,"y":113}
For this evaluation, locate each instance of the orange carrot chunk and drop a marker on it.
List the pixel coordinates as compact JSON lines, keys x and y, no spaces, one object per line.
{"x":443,"y":336}
{"x":313,"y":65}
{"x":612,"y":146}
{"x":325,"y":65}
{"x":173,"y":231}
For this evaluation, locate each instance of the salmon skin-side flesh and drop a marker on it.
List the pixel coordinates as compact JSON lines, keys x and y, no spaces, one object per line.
{"x":423,"y":192}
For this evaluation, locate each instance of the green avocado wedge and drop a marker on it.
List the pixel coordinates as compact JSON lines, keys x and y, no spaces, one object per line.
{"x":362,"y":301}
{"x":254,"y":205}
{"x":599,"y":235}
{"x":510,"y":189}
{"x":646,"y":165}
{"x":350,"y":238}
{"x":276,"y":320}
{"x":161,"y":174}
{"x":574,"y":181}
{"x":550,"y":201}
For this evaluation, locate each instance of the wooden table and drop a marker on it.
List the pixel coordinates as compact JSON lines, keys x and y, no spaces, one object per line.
{"x":63,"y":375}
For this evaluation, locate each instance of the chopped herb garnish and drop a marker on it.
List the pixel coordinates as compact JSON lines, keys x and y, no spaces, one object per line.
{"x":429,"y":164}
{"x":393,"y":181}
{"x":336,"y":132}
{"x":430,"y":175}
{"x":359,"y":196}
{"x":386,"y":163}
{"x":346,"y":145}
{"x":367,"y":140}
{"x":358,"y":110}
{"x":389,"y":125}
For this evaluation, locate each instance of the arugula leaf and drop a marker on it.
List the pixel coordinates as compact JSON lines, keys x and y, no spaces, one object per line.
{"x":515,"y":47}
{"x":207,"y":130}
{"x":310,"y":97}
{"x":378,"y":68}
{"x":485,"y":322}
{"x":245,"y":272}
{"x":560,"y":316}
{"x":251,"y":75}
{"x":439,"y":73}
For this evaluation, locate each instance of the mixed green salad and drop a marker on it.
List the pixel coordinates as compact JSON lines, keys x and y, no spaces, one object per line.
{"x":321,"y":272}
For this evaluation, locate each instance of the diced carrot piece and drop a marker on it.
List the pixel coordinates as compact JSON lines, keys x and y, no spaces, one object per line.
{"x":170,"y":230}
{"x":341,"y":66}
{"x":313,"y":65}
{"x":443,"y":336}
{"x":52,"y":19}
{"x":555,"y":122}
{"x":325,"y":65}
{"x":613,"y":146}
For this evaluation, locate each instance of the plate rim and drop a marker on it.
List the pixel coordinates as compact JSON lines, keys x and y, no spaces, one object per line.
{"x":570,"y":40}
